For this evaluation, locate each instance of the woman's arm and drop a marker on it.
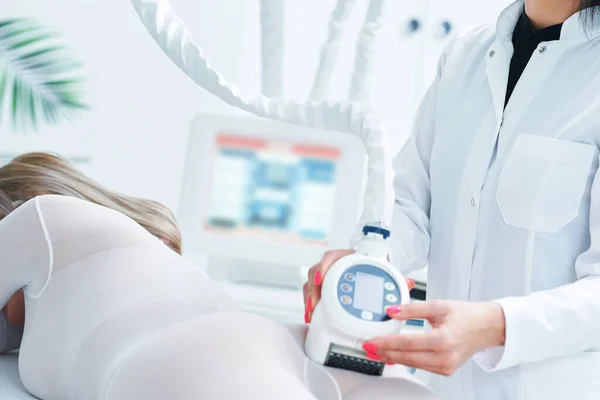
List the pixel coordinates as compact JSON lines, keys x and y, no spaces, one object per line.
{"x":25,"y":256}
{"x":410,"y":219}
{"x":410,"y":223}
{"x":557,"y":322}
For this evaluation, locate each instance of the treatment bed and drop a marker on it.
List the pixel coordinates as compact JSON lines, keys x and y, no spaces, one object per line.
{"x":406,"y":387}
{"x":11,"y":387}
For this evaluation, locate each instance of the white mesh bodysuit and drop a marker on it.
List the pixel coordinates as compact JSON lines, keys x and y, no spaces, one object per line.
{"x":114,"y":314}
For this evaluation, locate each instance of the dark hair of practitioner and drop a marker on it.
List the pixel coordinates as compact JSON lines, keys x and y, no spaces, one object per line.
{"x":589,"y":14}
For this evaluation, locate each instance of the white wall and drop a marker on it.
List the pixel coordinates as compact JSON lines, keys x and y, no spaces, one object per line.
{"x":141,"y":104}
{"x":405,"y":63}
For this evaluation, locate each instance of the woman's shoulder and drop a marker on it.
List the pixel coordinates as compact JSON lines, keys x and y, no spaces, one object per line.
{"x":67,"y":203}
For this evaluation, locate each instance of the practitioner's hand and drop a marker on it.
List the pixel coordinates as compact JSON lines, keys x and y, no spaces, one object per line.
{"x":312,"y":288}
{"x":460,"y":330}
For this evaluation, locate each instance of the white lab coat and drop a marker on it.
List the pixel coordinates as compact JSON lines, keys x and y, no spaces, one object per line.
{"x":504,"y":204}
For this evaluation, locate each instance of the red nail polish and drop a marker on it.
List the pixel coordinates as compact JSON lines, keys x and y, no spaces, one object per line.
{"x":309,"y":305}
{"x":370,"y":348}
{"x":392,"y":310}
{"x":306,"y":317}
{"x":318,"y":278}
{"x":389,"y":363}
{"x":373,"y":357}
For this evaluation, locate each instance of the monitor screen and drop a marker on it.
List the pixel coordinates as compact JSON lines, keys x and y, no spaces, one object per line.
{"x":276,"y":188}
{"x":368,"y":293}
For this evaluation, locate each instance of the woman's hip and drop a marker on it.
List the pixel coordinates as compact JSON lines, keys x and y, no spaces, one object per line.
{"x":217,"y":356}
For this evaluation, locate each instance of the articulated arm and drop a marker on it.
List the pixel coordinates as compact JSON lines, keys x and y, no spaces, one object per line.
{"x":172,"y":36}
{"x":365,"y":49}
{"x":329,"y":50}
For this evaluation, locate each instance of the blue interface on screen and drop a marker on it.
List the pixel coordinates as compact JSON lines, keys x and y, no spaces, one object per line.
{"x":273,"y":187}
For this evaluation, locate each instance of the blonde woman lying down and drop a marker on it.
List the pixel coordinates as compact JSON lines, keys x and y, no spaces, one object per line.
{"x":112,"y":311}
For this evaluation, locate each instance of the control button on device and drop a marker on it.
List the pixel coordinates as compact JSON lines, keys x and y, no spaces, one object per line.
{"x":366,"y":315}
{"x":346,"y":299}
{"x":350,"y":277}
{"x":346,"y":287}
{"x":389,"y":286}
{"x":391,"y":298}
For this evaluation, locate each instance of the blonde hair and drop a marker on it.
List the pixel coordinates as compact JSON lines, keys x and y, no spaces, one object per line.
{"x":34,"y":174}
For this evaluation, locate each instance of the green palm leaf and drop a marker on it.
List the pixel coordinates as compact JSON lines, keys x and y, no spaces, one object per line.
{"x":38,"y":82}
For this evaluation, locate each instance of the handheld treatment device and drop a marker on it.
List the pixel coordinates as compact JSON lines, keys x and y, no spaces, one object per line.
{"x":355,"y":294}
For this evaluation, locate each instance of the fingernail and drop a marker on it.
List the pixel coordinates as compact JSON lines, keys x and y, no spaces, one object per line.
{"x":373,"y":357}
{"x":389,"y":363}
{"x":318,"y":278}
{"x":392,"y":310}
{"x":411,"y":283}
{"x":309,"y":304}
{"x":306,"y":317}
{"x":370,"y":348}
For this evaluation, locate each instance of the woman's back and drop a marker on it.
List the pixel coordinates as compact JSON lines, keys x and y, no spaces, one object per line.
{"x":110,"y":284}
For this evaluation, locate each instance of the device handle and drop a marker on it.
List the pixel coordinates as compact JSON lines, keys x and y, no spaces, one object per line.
{"x":171,"y":34}
{"x":374,"y":242}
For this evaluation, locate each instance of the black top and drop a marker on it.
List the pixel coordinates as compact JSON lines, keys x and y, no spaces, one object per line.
{"x":525,"y":40}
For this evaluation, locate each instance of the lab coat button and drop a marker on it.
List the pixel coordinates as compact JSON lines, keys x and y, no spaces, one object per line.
{"x":473,"y":202}
{"x":492,"y":54}
{"x":543,"y":49}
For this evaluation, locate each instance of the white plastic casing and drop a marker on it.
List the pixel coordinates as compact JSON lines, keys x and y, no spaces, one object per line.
{"x":332,"y":324}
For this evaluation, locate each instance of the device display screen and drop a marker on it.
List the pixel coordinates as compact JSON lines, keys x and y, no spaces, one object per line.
{"x":368,"y":293}
{"x":273,"y":187}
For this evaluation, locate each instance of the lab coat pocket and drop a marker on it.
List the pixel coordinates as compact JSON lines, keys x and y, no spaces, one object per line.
{"x":543,"y":181}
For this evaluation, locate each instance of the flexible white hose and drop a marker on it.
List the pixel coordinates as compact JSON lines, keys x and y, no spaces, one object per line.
{"x":330,"y":49}
{"x":365,"y":49}
{"x":272,"y":46}
{"x":172,"y":36}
